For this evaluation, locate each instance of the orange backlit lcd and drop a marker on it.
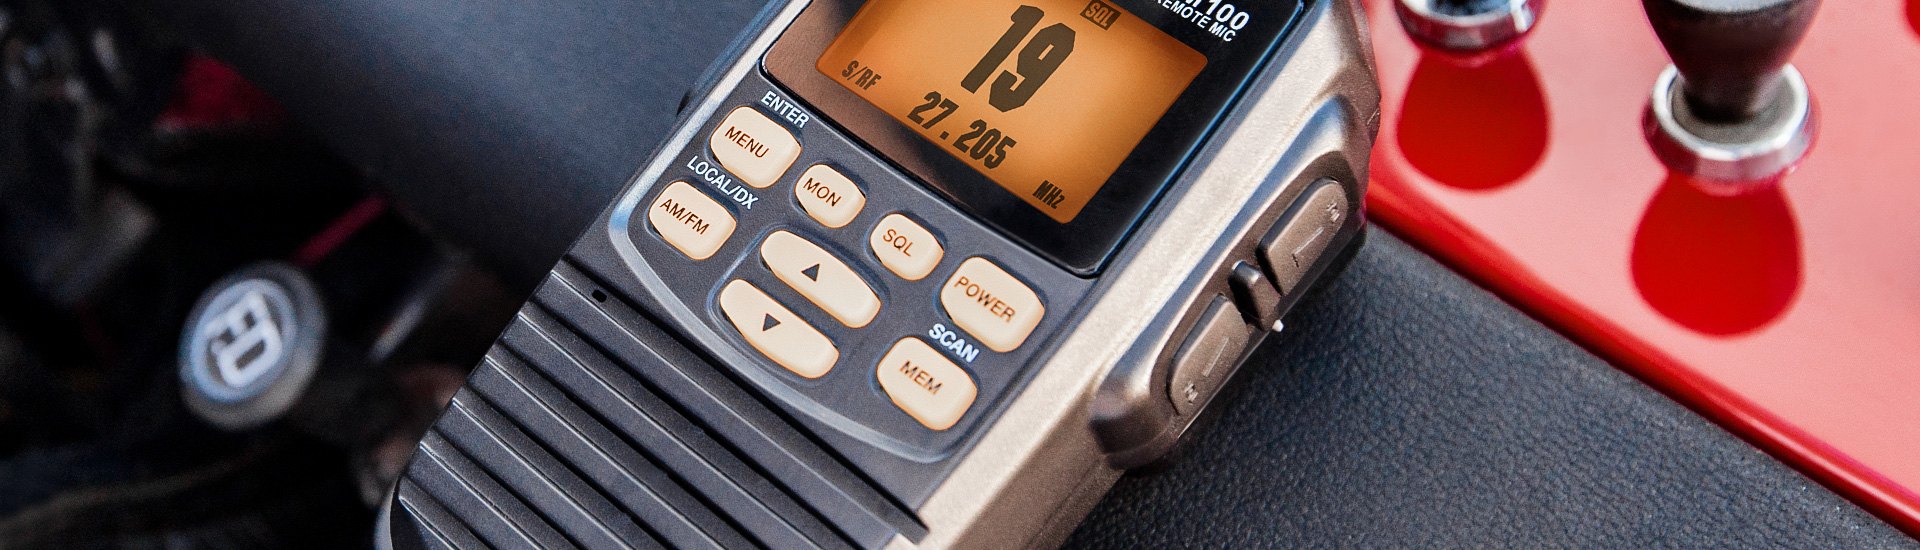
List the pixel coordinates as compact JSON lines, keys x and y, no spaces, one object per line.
{"x":1045,"y":97}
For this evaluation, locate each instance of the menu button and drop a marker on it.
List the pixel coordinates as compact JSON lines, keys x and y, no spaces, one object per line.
{"x":754,"y":147}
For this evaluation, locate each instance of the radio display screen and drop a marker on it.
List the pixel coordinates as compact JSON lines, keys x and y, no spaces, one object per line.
{"x":1046,"y":98}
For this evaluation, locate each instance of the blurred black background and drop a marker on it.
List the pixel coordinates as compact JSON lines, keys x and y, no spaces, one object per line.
{"x":134,"y":172}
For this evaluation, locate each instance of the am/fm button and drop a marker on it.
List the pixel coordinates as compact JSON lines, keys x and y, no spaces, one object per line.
{"x":991,"y":304}
{"x":690,"y":221}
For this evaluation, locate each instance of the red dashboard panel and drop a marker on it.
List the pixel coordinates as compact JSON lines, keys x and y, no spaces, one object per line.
{"x":1791,"y":316}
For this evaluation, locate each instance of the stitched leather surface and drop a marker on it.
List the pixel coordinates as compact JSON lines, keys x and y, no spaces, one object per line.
{"x":1409,"y":408}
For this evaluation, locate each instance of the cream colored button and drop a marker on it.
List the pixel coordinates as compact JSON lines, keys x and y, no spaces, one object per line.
{"x":776,"y":331}
{"x":754,"y":147}
{"x":690,"y":220}
{"x":925,"y":384}
{"x":905,"y":247}
{"x":831,"y":198}
{"x":822,"y":278}
{"x":991,"y":305}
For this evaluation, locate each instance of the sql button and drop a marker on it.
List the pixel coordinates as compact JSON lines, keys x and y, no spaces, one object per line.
{"x":905,"y":247}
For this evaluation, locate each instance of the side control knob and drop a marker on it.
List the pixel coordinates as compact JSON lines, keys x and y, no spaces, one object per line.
{"x":1256,"y":295}
{"x":1731,"y":108}
{"x":1468,"y":26}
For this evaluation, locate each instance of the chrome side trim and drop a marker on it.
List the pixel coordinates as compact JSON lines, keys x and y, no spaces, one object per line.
{"x":1039,"y":469}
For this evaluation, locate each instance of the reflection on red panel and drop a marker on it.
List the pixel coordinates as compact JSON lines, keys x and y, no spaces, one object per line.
{"x":1474,"y":124}
{"x":213,"y":97}
{"x":1913,"y":14}
{"x":1790,"y":316}
{"x":1722,"y":266}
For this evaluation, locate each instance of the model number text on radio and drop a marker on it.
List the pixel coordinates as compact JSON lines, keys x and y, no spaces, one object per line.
{"x":1222,"y":19}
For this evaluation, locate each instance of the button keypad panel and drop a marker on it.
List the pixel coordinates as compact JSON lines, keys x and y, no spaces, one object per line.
{"x":836,"y":277}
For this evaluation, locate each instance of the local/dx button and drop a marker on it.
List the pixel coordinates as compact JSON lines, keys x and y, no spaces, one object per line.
{"x":754,"y":147}
{"x":822,"y":278}
{"x":776,"y":331}
{"x":991,"y":305}
{"x":690,"y":221}
{"x":925,"y":384}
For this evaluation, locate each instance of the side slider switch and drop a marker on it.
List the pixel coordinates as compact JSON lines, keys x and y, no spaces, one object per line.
{"x":1256,"y":296}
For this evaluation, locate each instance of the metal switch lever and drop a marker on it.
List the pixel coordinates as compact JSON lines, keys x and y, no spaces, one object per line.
{"x":1256,"y":296}
{"x":1731,"y":112}
{"x":1730,"y":53}
{"x":1468,"y":25}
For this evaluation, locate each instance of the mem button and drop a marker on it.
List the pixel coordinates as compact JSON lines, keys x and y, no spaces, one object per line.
{"x":925,"y":384}
{"x":690,"y":221}
{"x":991,"y":305}
{"x":754,"y":147}
{"x":776,"y":331}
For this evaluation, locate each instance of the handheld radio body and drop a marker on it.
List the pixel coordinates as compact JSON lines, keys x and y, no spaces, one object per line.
{"x":916,"y":273}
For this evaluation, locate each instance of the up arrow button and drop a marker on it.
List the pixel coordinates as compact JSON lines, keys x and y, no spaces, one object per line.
{"x":821,"y":277}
